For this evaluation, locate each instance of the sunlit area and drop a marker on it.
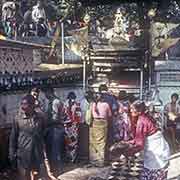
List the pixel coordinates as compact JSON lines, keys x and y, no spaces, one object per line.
{"x":89,"y":90}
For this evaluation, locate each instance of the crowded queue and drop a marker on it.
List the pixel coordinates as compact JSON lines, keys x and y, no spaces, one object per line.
{"x":45,"y":133}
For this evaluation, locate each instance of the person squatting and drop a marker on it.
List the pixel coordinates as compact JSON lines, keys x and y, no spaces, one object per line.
{"x":45,"y":133}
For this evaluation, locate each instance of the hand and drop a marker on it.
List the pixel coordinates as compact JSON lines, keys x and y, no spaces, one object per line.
{"x":172,"y":116}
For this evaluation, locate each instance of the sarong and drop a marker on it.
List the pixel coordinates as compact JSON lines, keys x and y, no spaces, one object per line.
{"x":98,"y":142}
{"x":154,"y":174}
{"x":156,"y":158}
{"x":71,"y":140}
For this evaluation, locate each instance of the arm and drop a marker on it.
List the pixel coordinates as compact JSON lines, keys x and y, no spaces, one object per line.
{"x":109,"y":112}
{"x":178,"y":110}
{"x":137,"y":144}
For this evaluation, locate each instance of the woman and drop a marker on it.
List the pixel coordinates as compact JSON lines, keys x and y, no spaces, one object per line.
{"x":149,"y":138}
{"x":26,"y":140}
{"x":73,"y":112}
{"x":101,"y":113}
{"x":121,"y":119}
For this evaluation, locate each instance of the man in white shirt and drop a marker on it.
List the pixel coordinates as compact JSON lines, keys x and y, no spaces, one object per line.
{"x":39,"y":19}
{"x":38,"y":12}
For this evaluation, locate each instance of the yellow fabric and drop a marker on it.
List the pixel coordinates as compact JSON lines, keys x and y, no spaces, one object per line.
{"x":98,"y":141}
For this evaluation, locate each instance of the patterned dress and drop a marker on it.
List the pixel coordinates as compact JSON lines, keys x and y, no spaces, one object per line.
{"x":72,"y":130}
{"x":122,"y":125}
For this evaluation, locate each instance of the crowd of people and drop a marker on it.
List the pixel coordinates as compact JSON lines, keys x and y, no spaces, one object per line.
{"x":45,"y":132}
{"x":27,"y":18}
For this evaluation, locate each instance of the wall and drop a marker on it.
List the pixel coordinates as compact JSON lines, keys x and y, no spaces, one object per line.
{"x":10,"y":102}
{"x":167,"y":78}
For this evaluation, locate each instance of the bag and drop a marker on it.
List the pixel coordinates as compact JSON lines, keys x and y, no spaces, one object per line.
{"x":88,"y":116}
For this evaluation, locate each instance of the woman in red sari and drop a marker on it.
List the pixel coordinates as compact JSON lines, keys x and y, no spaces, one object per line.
{"x":150,"y":139}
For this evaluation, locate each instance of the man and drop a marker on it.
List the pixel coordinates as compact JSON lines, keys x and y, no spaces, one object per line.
{"x":39,"y":18}
{"x":54,"y":137}
{"x":38,"y":12}
{"x":172,"y":112}
{"x":26,"y":139}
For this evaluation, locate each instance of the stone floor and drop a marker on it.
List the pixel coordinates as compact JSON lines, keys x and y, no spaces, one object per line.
{"x":117,"y":171}
{"x":174,"y":168}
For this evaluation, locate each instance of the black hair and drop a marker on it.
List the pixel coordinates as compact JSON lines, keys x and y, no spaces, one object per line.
{"x":30,"y":99}
{"x":71,"y":95}
{"x":103,"y":87}
{"x":89,"y":95}
{"x":139,"y":106}
{"x":122,"y":95}
{"x":35,"y":89}
{"x":175,"y":95}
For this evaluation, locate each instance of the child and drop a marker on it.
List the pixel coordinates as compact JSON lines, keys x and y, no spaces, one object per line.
{"x":121,"y":124}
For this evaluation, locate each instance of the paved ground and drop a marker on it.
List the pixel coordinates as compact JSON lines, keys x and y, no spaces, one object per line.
{"x":118,"y":171}
{"x":174,"y":168}
{"x":115,"y":172}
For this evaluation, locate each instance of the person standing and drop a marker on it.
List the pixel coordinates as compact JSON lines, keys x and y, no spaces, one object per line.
{"x":26,"y":139}
{"x":172,"y":112}
{"x":121,"y":120}
{"x":74,"y":116}
{"x":101,"y":114}
{"x":39,"y":19}
{"x":109,"y":98}
{"x":89,"y":96}
{"x":114,"y":106}
{"x":38,"y":12}
{"x":54,"y":136}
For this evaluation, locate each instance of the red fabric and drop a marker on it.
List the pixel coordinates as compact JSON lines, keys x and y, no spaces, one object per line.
{"x":133,"y":125}
{"x":74,"y":113}
{"x":145,"y":127}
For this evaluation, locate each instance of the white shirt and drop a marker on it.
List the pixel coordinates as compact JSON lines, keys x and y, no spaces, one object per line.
{"x":38,"y":13}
